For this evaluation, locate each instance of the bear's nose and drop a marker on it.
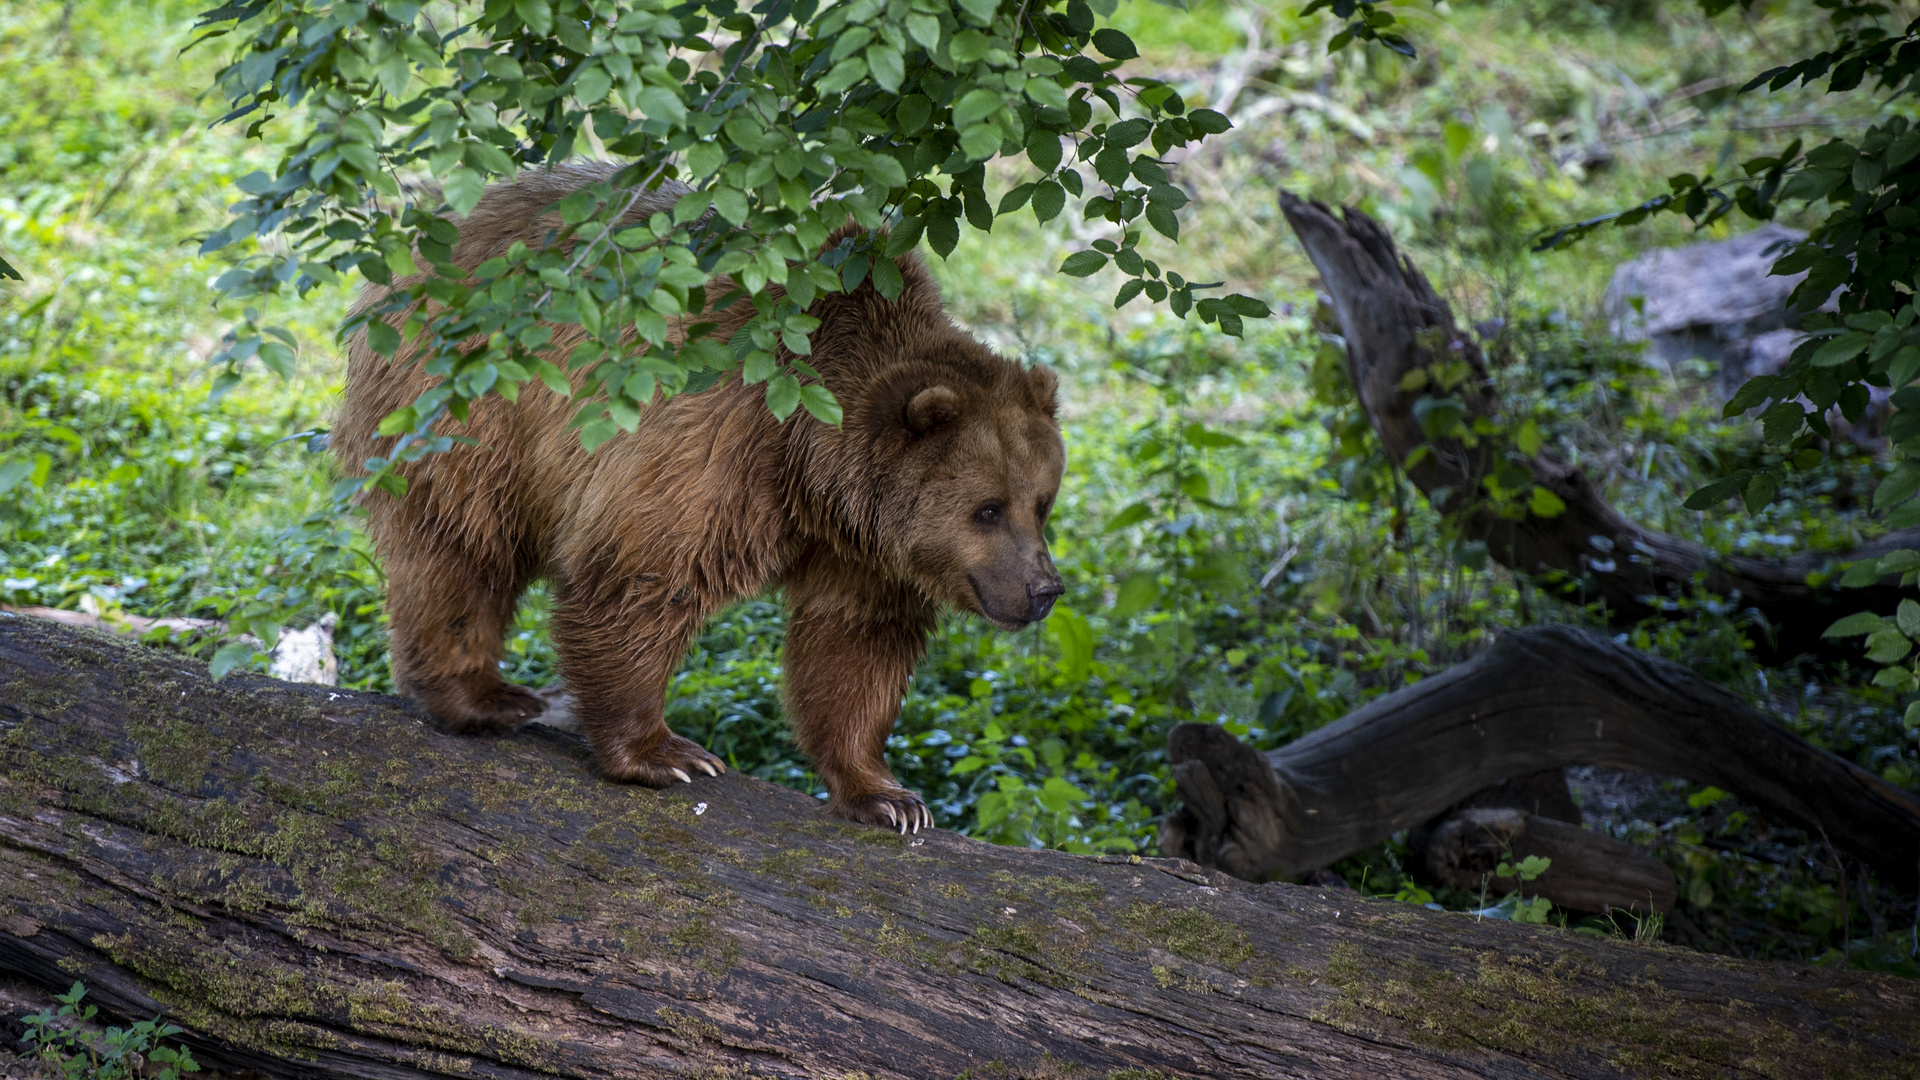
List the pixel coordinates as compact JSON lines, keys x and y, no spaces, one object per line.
{"x":1040,"y":598}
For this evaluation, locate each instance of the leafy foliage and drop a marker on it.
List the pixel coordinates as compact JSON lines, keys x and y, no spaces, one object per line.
{"x":1862,"y":259}
{"x":68,"y":1048}
{"x":767,"y":128}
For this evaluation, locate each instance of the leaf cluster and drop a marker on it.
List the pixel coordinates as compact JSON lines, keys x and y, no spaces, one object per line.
{"x":70,"y":1049}
{"x":746,"y":136}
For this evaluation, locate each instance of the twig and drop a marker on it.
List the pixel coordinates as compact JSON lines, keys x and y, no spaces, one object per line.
{"x":1846,"y":909}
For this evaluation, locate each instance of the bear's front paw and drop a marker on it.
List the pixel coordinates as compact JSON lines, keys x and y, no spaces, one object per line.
{"x":893,"y":808}
{"x":491,"y":706}
{"x":673,"y":761}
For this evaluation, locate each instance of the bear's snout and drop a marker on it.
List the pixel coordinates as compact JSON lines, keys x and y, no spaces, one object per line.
{"x":1041,"y":595}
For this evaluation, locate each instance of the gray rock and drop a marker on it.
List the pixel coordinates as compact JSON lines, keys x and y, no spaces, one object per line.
{"x":1698,"y":300}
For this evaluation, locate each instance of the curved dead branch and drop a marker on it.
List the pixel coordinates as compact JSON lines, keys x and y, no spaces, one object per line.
{"x":1394,"y":322}
{"x":1539,"y":698}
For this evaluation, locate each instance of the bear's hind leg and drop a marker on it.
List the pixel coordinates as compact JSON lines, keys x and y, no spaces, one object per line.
{"x":448,"y":614}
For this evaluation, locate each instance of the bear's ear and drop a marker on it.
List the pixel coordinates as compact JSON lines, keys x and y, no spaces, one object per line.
{"x":1045,"y":387}
{"x":932,"y":409}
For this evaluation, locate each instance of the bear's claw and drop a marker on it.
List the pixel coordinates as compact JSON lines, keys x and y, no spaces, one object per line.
{"x":498,"y":706}
{"x":671,"y":762}
{"x":895,"y":808}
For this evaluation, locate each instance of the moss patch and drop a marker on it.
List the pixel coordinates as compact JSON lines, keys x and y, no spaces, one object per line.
{"x":1570,"y":1007}
{"x":1189,"y":933}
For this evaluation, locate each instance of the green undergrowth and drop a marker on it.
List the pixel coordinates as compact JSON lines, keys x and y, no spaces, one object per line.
{"x":1236,"y":547}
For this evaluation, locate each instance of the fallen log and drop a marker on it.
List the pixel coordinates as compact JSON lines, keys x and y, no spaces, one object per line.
{"x":1539,"y":698}
{"x":1586,"y":871}
{"x":1394,"y":324}
{"x":315,"y":883}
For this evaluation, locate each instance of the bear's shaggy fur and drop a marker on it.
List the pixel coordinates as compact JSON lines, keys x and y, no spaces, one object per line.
{"x":933,"y":492}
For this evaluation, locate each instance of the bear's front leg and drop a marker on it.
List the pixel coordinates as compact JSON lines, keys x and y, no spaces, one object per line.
{"x":617,"y":653}
{"x":850,"y":653}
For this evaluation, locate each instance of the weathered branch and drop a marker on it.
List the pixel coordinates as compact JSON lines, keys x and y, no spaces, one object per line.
{"x":1393,"y":320}
{"x":1587,"y":871}
{"x":1538,"y":698}
{"x":316,"y":884}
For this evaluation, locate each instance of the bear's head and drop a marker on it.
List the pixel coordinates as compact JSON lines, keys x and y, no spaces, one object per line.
{"x":949,"y":457}
{"x":988,"y":459}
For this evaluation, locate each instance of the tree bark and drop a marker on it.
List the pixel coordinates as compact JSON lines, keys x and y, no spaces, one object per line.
{"x":1538,"y":698}
{"x":1394,"y":322}
{"x":315,"y":883}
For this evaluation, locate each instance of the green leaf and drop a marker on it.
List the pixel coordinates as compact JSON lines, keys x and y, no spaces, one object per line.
{"x":943,"y":235}
{"x":704,"y":159}
{"x":537,"y":14}
{"x":887,"y":66}
{"x":1073,"y":636}
{"x":1043,"y":149}
{"x":1204,"y":438}
{"x":924,"y":29}
{"x":974,"y":106}
{"x":232,"y":655}
{"x":1545,"y":504}
{"x":783,"y":395}
{"x":12,"y":471}
{"x":591,"y":84}
{"x":1114,"y":44}
{"x":1886,"y":646}
{"x":1854,"y":625}
{"x":462,"y":189}
{"x":820,"y":404}
{"x":1049,"y":199}
{"x":1719,"y":491}
{"x":1529,"y":439}
{"x":1781,"y":421}
{"x":1209,"y":122}
{"x":1083,"y":264}
{"x":1163,"y":220}
{"x":1136,"y":594}
{"x":886,"y":278}
{"x":1842,"y":349}
{"x":731,"y":204}
{"x":398,"y":421}
{"x":1132,"y":515}
{"x":1128,"y":133}
{"x":842,"y":76}
{"x":277,"y":358}
{"x":968,"y":46}
{"x":1247,"y":307}
{"x":1898,"y":487}
{"x":1907,"y":618}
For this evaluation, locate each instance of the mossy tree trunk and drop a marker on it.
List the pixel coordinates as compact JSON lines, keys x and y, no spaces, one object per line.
{"x":317,"y":884}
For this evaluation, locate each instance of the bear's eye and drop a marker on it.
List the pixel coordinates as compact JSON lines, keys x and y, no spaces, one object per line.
{"x":1041,"y":508}
{"x":991,"y":513}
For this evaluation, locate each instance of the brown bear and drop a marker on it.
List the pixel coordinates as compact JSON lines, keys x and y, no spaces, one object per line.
{"x":933,"y":492}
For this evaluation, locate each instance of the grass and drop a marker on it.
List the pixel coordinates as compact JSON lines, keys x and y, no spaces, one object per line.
{"x":1277,"y":572}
